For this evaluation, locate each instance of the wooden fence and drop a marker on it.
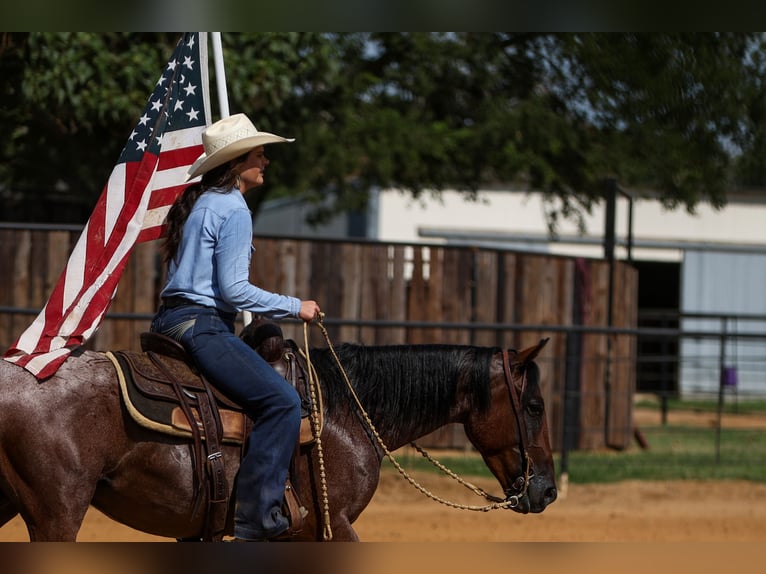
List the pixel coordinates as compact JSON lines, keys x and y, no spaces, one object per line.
{"x":386,"y":293}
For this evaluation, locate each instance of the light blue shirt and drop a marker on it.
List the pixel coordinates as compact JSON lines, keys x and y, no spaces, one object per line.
{"x":212,"y":265}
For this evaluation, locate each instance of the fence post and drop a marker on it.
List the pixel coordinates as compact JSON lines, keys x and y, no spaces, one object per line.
{"x":721,"y":363}
{"x":609,"y":246}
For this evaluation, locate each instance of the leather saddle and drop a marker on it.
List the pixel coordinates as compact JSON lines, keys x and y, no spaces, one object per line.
{"x":163,"y":391}
{"x":153,"y":399}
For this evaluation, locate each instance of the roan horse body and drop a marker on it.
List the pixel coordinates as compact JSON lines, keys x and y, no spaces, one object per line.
{"x":68,"y":442}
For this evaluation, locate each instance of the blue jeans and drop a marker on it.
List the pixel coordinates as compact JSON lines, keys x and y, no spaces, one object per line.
{"x":271,"y":402}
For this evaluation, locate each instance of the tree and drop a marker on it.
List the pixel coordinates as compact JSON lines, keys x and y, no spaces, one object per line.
{"x":69,"y":102}
{"x":679,"y":114}
{"x":668,"y":109}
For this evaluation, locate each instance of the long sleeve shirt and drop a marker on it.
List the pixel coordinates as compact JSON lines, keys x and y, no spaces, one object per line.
{"x":212,"y":265}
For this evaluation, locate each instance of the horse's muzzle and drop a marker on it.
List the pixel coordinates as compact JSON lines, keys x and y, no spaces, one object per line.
{"x":535,"y":497}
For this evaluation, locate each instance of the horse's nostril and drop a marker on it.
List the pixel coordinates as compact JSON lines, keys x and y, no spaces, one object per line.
{"x":550,"y":494}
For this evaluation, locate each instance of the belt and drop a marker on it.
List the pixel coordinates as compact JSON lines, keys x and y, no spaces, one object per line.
{"x":176,"y":301}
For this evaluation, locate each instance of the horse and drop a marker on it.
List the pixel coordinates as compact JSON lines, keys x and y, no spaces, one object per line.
{"x":68,"y":442}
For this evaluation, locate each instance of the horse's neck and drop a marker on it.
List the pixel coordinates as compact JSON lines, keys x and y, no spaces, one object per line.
{"x":405,"y":405}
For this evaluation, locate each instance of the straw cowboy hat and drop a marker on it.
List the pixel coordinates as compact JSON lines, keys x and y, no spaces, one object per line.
{"x":229,"y":138}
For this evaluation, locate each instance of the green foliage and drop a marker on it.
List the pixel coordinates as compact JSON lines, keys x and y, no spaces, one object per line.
{"x":74,"y":99}
{"x":667,"y":104}
{"x":680,"y":114}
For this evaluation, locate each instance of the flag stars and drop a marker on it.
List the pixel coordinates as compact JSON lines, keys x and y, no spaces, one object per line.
{"x":180,"y":80}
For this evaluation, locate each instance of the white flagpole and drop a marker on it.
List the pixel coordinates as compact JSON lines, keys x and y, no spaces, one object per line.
{"x":220,"y":75}
{"x":223,"y":103}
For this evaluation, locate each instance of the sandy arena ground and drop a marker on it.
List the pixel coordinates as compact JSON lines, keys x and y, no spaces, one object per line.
{"x":635,"y":511}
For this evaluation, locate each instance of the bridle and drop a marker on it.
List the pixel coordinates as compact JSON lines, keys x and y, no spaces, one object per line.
{"x":519,"y":488}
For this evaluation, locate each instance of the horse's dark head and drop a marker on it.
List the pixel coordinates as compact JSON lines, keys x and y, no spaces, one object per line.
{"x":512,"y":435}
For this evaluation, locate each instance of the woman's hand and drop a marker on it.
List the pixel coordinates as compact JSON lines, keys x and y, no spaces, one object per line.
{"x":309,"y":311}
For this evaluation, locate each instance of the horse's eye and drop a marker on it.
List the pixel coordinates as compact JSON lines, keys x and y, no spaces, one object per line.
{"x":535,"y":409}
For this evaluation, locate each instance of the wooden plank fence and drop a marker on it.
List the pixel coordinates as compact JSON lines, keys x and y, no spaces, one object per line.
{"x":388,"y":293}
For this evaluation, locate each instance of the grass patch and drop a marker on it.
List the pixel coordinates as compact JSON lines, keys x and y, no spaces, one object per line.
{"x":730,"y":405}
{"x":675,"y":453}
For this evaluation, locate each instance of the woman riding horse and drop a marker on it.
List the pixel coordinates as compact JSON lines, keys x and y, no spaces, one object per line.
{"x":207,"y":250}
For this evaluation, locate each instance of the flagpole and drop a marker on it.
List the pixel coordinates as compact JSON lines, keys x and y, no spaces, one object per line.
{"x":223,"y":103}
{"x":220,"y":74}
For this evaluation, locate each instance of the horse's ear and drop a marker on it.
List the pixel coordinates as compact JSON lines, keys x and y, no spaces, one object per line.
{"x":529,"y":354}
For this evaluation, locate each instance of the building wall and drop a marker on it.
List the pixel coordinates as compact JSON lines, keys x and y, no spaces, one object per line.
{"x":288,"y":217}
{"x":725,"y":283}
{"x":518,"y":218}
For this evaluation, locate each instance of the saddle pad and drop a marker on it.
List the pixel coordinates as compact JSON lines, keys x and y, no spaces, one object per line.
{"x":154,"y":405}
{"x":162,"y":414}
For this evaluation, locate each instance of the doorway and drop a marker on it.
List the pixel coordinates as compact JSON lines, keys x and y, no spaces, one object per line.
{"x":659,"y":292}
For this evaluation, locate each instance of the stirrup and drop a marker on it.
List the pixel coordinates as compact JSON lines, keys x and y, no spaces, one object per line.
{"x":294,"y":511}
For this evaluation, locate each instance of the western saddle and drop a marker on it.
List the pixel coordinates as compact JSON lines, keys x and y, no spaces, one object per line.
{"x":163,"y":391}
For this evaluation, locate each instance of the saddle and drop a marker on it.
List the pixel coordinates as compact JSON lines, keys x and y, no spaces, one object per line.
{"x":163,"y":391}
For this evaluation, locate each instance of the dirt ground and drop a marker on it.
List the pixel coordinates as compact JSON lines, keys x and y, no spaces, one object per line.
{"x":630,"y":511}
{"x":634,"y":511}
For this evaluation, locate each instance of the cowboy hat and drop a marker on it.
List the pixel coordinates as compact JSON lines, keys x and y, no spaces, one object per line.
{"x":229,"y":138}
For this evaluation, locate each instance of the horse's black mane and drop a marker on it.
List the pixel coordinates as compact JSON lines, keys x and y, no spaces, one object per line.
{"x":402,"y":385}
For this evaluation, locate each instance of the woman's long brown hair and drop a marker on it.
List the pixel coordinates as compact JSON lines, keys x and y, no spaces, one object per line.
{"x":220,"y":179}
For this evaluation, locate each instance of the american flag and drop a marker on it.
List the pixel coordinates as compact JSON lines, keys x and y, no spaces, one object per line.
{"x":148,"y":176}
